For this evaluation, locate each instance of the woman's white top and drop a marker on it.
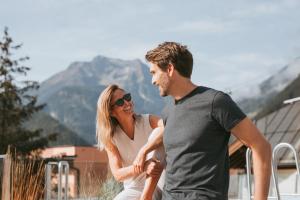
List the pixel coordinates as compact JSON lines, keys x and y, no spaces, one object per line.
{"x":129,"y":148}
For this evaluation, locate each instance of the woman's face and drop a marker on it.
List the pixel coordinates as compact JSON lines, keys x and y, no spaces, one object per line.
{"x":120,"y":105}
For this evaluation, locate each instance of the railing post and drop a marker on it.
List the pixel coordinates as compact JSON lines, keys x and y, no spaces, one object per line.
{"x":248,"y":168}
{"x":63,"y":169}
{"x":274,"y":165}
{"x":48,"y":179}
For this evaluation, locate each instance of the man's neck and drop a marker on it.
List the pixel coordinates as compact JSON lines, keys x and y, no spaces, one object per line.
{"x":182,"y":88}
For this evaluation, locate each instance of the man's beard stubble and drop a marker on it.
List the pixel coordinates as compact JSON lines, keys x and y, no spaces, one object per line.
{"x":164,"y":87}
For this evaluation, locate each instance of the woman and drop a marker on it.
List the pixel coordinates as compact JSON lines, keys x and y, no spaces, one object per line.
{"x":124,"y":134}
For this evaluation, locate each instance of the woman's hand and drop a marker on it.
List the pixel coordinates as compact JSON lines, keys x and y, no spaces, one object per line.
{"x":139,"y":161}
{"x":153,"y":168}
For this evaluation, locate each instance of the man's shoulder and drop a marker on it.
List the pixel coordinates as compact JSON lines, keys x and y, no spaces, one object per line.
{"x":206,"y":92}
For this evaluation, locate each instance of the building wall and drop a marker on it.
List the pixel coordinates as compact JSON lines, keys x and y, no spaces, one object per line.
{"x":88,"y":168}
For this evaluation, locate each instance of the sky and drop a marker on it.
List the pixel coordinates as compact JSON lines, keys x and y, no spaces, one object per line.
{"x":235,"y":43}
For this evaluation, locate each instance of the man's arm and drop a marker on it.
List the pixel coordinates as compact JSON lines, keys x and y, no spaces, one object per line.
{"x":247,"y":132}
{"x":119,"y":172}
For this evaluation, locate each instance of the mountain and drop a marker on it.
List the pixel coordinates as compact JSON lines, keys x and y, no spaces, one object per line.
{"x":72,"y":94}
{"x":282,"y":78}
{"x":269,"y":88}
{"x":42,"y":120}
{"x":289,"y":92}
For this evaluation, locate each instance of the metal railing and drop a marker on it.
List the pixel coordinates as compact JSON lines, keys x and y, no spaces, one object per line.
{"x":63,"y":169}
{"x":248,"y":168}
{"x":274,"y":164}
{"x":274,"y":169}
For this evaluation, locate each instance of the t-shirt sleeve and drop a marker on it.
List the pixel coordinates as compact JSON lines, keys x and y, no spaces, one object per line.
{"x":226,"y":112}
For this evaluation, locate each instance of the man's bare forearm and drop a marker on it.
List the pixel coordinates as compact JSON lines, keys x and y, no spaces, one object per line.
{"x":262,"y":171}
{"x":154,"y":142}
{"x":248,"y":133}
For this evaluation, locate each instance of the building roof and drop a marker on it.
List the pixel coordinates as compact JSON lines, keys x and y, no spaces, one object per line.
{"x":282,"y":125}
{"x":77,"y":153}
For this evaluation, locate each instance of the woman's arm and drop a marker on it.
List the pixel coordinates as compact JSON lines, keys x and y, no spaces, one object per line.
{"x":157,"y":139}
{"x":153,"y":168}
{"x":115,"y":162}
{"x":153,"y":143}
{"x":151,"y":180}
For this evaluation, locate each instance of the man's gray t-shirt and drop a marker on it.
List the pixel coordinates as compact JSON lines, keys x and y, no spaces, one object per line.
{"x":197,"y":130}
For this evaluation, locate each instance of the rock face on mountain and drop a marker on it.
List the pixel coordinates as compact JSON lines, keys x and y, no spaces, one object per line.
{"x":71,"y":95}
{"x":65,"y":136}
{"x":289,"y":92}
{"x":282,"y":78}
{"x":272,"y":86}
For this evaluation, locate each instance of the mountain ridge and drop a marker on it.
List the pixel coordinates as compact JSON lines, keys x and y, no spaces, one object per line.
{"x":72,"y":94}
{"x":271,"y":86}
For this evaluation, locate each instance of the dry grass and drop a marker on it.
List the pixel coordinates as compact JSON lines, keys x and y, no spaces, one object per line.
{"x":90,"y":184}
{"x":27,"y":182}
{"x":110,"y":188}
{"x":94,"y":187}
{"x":27,"y":179}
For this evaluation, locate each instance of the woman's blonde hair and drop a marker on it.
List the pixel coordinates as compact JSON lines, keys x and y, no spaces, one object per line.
{"x":105,"y":124}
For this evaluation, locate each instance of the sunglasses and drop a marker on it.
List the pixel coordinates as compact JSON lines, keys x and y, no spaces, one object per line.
{"x":120,"y":102}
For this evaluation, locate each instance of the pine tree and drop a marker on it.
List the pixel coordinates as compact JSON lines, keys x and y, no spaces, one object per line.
{"x":17,"y":104}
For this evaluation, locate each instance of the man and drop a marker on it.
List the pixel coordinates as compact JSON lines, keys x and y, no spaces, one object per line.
{"x":197,"y":130}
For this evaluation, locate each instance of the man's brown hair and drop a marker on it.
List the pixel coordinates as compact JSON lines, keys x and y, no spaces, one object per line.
{"x":174,"y":53}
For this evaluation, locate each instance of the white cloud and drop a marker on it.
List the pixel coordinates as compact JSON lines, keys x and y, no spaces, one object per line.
{"x":291,"y":3}
{"x":266,"y":8}
{"x":204,"y":26}
{"x":239,"y":73}
{"x":134,"y":51}
{"x":254,"y":59}
{"x":257,"y":10}
{"x":56,"y":33}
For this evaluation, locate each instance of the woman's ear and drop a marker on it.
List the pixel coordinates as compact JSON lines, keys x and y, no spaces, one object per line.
{"x":112,"y":113}
{"x":113,"y":120}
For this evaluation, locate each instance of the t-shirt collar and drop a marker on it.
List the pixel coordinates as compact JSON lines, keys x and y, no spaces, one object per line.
{"x":193,"y":92}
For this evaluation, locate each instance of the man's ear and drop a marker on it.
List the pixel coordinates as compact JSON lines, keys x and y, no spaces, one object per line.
{"x":170,"y":69}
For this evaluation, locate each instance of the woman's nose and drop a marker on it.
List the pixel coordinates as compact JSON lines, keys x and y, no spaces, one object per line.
{"x":127,"y":103}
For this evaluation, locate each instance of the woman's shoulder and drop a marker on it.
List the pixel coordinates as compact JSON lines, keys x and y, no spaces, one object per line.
{"x":143,"y":120}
